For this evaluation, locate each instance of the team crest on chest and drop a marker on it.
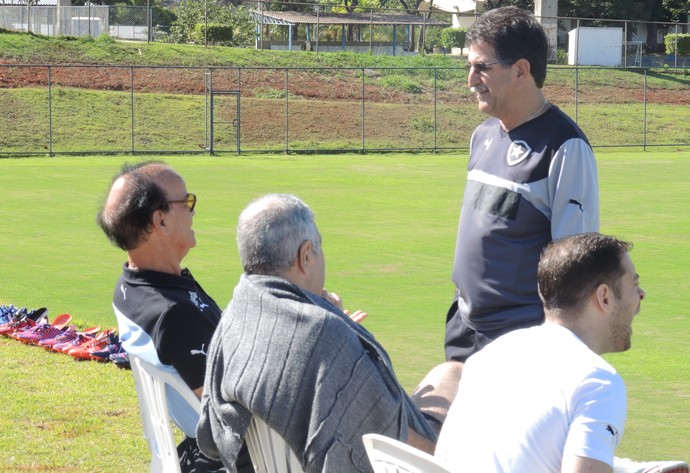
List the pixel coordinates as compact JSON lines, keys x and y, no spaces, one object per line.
{"x":518,"y":152}
{"x":194,"y":297}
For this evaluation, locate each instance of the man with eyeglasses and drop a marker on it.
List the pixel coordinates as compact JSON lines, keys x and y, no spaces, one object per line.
{"x":163,"y":314}
{"x":531,"y":178}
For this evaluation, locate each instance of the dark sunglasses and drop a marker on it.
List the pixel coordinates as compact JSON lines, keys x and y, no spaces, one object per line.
{"x":189,"y":201}
{"x":481,"y":67}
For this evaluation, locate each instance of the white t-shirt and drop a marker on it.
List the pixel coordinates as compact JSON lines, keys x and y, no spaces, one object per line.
{"x":529,"y":399}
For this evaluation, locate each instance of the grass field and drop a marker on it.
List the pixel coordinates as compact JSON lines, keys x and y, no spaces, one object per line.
{"x":388,"y":224}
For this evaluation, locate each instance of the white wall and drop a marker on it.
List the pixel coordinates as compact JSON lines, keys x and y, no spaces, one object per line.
{"x":589,"y":46}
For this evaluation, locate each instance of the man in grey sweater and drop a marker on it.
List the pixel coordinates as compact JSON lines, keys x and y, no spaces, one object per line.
{"x":286,"y":352}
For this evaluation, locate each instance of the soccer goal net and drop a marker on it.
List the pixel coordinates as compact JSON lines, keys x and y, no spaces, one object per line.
{"x":632,"y":55}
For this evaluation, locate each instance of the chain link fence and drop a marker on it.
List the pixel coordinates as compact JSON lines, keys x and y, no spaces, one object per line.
{"x":634,"y":43}
{"x":69,"y":109}
{"x":117,"y":21}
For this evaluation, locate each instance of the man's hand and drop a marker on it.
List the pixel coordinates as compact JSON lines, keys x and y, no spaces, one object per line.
{"x":357,"y":316}
{"x":333,"y":298}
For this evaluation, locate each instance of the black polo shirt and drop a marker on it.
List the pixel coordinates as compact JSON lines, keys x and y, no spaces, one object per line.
{"x":168,"y":320}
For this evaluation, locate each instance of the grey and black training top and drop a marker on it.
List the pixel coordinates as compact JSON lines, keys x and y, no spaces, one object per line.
{"x":525,"y":187}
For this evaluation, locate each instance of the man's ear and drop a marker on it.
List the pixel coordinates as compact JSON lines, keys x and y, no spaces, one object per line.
{"x":158,"y":221}
{"x":604,"y":297}
{"x":524,"y":68}
{"x":305,"y":256}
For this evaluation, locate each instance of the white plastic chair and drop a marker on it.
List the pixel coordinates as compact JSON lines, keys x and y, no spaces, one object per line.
{"x":389,"y":455}
{"x":268,"y":450}
{"x":150,"y":382}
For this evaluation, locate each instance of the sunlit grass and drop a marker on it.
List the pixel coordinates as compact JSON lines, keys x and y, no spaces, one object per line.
{"x":389,"y":225}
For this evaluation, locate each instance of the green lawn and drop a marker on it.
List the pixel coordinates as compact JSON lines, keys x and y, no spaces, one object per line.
{"x":388,"y":224}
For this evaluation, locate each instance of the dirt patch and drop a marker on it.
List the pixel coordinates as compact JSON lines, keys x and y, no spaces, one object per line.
{"x":327,"y":84}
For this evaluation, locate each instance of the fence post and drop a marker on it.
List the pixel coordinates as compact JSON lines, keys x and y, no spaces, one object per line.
{"x":149,"y":21}
{"x":318,"y":10}
{"x":644,"y":117}
{"x":287,"y":113}
{"x":210,"y":115}
{"x":625,"y":43}
{"x":577,"y":69}
{"x":435,"y":76}
{"x":577,"y":43}
{"x":362,"y":110}
{"x":50,"y":113}
{"x":577,"y":90}
{"x":239,"y":112}
{"x":371,"y":30}
{"x":207,"y":92}
{"x":675,"y":52}
{"x":131,"y":104}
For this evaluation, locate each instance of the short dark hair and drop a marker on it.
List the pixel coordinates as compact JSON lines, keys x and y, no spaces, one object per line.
{"x":571,"y":268}
{"x":129,"y":222}
{"x":514,"y":34}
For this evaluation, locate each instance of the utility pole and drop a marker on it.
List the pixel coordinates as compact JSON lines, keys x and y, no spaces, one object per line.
{"x":546,"y":12}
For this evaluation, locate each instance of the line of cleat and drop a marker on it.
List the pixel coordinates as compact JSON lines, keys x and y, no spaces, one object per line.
{"x":33,"y":328}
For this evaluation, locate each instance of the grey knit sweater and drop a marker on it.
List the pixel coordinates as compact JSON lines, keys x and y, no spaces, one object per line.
{"x":302,"y":366}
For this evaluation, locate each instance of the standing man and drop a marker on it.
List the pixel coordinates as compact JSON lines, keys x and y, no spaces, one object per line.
{"x":532,"y":178}
{"x":164,"y":315}
{"x":542,"y":399}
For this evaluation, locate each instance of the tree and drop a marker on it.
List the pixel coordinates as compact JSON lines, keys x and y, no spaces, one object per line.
{"x":353,"y":6}
{"x":641,"y":10}
{"x":190,"y":13}
{"x":525,"y":4}
{"x":676,"y":11}
{"x":611,"y":9}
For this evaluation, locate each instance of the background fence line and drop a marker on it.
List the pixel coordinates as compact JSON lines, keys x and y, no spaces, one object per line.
{"x":93,"y":109}
{"x":643,"y":41}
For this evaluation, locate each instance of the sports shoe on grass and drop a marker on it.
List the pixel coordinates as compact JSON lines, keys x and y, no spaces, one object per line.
{"x":32,"y":334}
{"x":103,"y":354}
{"x":7,"y":313}
{"x":64,"y":335}
{"x":44,"y":331}
{"x":77,"y":339}
{"x":39,"y":315}
{"x":83,"y":351}
{"x":20,"y":324}
{"x":626,"y":465}
{"x":68,"y":334}
{"x":121,"y":360}
{"x":22,"y":320}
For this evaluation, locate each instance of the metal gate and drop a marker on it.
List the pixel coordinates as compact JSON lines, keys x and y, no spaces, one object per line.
{"x":222,"y":119}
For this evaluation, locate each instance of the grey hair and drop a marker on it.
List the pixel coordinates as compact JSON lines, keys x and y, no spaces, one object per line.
{"x":270,"y":231}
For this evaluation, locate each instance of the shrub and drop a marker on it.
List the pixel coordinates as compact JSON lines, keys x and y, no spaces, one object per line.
{"x":561,"y":56}
{"x":453,"y":37}
{"x":679,"y":41}
{"x":216,"y":34}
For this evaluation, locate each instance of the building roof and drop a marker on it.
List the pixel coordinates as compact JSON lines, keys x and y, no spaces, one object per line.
{"x":309,"y":18}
